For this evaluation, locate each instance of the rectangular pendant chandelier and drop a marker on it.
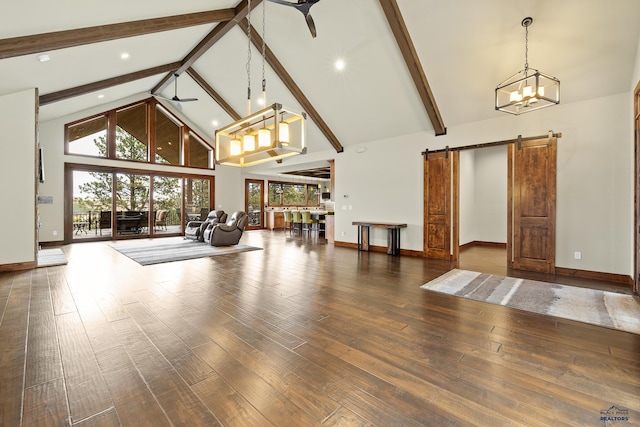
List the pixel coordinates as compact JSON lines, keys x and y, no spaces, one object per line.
{"x":527,"y":90}
{"x":273,"y":133}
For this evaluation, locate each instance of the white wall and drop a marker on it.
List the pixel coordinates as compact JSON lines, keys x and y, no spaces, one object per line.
{"x":467,"y":196}
{"x":594,"y":185}
{"x":490,"y":208}
{"x":229,"y":190}
{"x":17,"y":175}
{"x":483,"y":195}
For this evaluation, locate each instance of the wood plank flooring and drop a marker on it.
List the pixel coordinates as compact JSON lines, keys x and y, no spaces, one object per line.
{"x":299,"y":334}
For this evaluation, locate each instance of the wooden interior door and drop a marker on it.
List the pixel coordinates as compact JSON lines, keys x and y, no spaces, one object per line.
{"x":437,"y":205}
{"x":532,"y":205}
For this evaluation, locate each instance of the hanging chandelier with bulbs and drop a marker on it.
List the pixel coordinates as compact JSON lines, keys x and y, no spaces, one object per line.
{"x":273,"y":133}
{"x":528,"y":89}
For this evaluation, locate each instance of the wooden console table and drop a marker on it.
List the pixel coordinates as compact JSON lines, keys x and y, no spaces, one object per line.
{"x":393,"y":235}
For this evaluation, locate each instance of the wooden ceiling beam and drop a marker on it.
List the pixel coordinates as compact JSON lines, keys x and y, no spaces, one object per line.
{"x":105,"y":84}
{"x":212,"y":38}
{"x":399,"y":29}
{"x":295,"y":90}
{"x":213,"y":94}
{"x":37,"y":43}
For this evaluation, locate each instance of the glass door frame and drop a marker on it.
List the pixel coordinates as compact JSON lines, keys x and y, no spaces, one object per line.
{"x":252,"y":212}
{"x":69,"y":169}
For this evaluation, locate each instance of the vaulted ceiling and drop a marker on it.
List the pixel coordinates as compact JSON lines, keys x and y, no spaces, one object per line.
{"x":410,"y":66}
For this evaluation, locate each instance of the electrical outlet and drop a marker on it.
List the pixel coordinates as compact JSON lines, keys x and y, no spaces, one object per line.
{"x":55,"y":233}
{"x":577,"y":255}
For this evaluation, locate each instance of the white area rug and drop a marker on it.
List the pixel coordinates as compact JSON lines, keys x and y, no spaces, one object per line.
{"x":150,"y":252}
{"x":51,"y":257}
{"x":609,"y":309}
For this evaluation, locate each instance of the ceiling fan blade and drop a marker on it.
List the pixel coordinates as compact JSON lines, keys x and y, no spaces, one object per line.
{"x":311,"y":24}
{"x":186,"y":99}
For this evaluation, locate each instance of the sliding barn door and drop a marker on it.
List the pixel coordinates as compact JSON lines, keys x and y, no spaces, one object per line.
{"x":636,"y":134}
{"x":437,"y":205}
{"x":532,"y":215}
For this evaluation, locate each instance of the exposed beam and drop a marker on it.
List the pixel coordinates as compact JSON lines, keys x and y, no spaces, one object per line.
{"x":213,"y":37}
{"x":105,"y":84}
{"x":399,"y":29}
{"x":213,"y":94}
{"x":27,"y":45}
{"x":295,"y":90}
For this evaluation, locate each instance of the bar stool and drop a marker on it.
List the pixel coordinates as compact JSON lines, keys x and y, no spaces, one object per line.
{"x":307,"y":221}
{"x":297,"y":220}
{"x":288,"y":220}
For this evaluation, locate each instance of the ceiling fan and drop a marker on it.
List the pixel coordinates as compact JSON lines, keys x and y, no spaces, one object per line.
{"x":175,"y":93}
{"x":303,"y":6}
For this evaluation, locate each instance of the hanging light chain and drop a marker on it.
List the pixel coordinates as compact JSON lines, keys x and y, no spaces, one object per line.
{"x":264,"y":51}
{"x":249,"y":57}
{"x":526,"y":48}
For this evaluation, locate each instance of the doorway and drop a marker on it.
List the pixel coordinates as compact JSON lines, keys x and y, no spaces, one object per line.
{"x":254,"y":203}
{"x":530,"y":213}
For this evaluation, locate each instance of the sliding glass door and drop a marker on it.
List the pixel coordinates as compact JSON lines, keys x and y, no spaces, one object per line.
{"x":92,"y":204}
{"x":254,"y":202}
{"x":132,"y":204}
{"x":106,"y":203}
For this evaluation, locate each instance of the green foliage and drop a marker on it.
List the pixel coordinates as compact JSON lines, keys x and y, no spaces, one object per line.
{"x":291,"y":194}
{"x":132,"y":190}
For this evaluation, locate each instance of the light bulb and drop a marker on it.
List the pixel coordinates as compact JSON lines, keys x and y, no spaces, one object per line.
{"x":264,"y":138}
{"x":283,"y":132}
{"x":249,"y":143}
{"x":527,"y":92}
{"x":235,"y":147}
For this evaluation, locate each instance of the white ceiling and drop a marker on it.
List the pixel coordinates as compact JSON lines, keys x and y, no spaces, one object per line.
{"x":466,"y":47}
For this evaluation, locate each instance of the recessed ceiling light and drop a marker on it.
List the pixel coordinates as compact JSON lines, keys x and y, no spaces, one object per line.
{"x":101,"y":96}
{"x":44,"y":58}
{"x":124,"y":55}
{"x":340,"y":64}
{"x":215,"y":123}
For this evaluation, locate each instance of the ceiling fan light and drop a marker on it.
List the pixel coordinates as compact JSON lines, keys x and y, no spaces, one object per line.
{"x":264,"y":138}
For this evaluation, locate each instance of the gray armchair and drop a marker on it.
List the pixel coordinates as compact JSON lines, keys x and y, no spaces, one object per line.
{"x":195,"y":229}
{"x":229,"y":233}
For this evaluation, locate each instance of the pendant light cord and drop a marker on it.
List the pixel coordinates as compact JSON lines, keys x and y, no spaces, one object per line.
{"x":249,"y":57}
{"x":526,"y":49}
{"x":264,"y":53}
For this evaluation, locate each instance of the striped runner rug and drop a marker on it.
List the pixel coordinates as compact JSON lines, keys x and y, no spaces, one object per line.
{"x":608,"y":309}
{"x":149,"y":252}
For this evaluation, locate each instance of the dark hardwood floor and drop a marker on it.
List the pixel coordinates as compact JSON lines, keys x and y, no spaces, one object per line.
{"x":299,"y":334}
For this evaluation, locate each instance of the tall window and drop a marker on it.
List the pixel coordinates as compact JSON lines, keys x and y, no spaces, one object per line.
{"x":200,"y":154}
{"x":88,"y":137}
{"x":142,"y":132}
{"x":109,"y":202}
{"x":168,"y":139}
{"x":131,"y":133}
